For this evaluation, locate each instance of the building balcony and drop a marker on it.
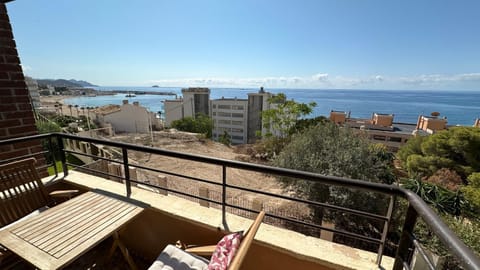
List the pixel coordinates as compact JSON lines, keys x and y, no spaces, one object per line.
{"x":206,"y":206}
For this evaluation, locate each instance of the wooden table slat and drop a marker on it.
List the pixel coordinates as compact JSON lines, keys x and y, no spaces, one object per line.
{"x":39,"y":221}
{"x":66,"y":224}
{"x":101,"y":229}
{"x":63,"y":233}
{"x":74,"y":232}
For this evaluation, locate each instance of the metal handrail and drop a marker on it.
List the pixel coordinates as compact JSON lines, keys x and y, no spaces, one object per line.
{"x":417,"y":207}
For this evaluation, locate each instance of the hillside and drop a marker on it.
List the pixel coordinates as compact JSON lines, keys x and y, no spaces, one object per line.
{"x":64,"y":83}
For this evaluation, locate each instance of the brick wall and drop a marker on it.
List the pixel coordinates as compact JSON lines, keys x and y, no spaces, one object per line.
{"x":16,"y":113}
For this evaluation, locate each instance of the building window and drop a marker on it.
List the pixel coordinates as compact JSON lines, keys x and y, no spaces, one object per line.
{"x":395,"y":139}
{"x":214,"y":106}
{"x":237,"y":115}
{"x":214,"y":113}
{"x":237,"y":123}
{"x":237,"y":107}
{"x":225,"y":122}
{"x":240,"y":138}
{"x":223,"y":114}
{"x":240,"y":130}
{"x":225,"y":107}
{"x":379,"y":138}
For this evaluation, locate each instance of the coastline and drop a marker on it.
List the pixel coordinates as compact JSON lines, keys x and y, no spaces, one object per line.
{"x":48,"y":104}
{"x":461,"y":108}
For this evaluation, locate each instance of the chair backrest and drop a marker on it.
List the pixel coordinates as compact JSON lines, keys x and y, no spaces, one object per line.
{"x":21,"y":190}
{"x":246,"y":243}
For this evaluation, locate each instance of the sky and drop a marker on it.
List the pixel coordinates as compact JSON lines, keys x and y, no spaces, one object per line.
{"x":335,"y":44}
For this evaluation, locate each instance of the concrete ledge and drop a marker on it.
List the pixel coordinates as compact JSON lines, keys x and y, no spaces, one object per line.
{"x":325,"y":253}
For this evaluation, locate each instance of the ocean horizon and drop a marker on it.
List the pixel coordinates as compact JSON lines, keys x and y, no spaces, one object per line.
{"x":459,"y":107}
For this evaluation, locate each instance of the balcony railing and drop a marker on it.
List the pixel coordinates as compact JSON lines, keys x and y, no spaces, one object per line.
{"x":417,"y":208}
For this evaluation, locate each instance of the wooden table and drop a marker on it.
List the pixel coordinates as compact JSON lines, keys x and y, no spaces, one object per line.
{"x":59,"y":235}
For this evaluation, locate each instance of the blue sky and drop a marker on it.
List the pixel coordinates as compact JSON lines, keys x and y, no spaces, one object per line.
{"x":284,"y":44}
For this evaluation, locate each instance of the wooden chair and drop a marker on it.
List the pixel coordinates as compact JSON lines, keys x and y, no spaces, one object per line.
{"x":22,"y":193}
{"x":176,"y":258}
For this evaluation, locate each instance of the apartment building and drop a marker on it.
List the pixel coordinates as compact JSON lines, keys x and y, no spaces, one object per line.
{"x":240,"y":118}
{"x":131,"y":118}
{"x":193,"y":101}
{"x":32,"y":86}
{"x":257,"y":102}
{"x":230,"y":115}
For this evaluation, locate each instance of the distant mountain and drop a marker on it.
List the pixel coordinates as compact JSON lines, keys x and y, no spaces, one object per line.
{"x":64,"y":83}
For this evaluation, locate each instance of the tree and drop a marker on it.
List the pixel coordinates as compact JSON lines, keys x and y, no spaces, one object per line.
{"x":76,"y":108}
{"x":200,"y":124}
{"x":331,"y":150}
{"x":281,"y":121}
{"x":472,"y":193}
{"x":457,"y":149}
{"x":225,"y":138}
{"x":283,"y":114}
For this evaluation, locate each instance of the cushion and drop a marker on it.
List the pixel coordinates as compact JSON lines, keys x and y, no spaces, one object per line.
{"x":225,"y":251}
{"x":174,"y":258}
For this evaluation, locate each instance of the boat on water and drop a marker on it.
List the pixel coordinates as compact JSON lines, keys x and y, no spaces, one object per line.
{"x":130,"y":95}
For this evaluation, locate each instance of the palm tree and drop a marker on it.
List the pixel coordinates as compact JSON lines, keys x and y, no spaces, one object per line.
{"x":76,"y":107}
{"x":70,"y":107}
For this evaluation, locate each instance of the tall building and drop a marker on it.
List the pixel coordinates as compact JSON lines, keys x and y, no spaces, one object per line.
{"x":32,"y":86}
{"x":257,"y":102}
{"x":193,"y":102}
{"x":230,"y":115}
{"x":240,"y":118}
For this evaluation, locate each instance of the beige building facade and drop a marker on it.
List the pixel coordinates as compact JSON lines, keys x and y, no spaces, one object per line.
{"x":230,"y":116}
{"x":130,"y":118}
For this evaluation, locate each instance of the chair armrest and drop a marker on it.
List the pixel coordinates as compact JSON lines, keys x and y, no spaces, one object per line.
{"x":63,"y":193}
{"x":202,"y":250}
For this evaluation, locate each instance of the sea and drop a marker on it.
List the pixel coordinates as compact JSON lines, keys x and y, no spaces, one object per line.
{"x":459,"y":107}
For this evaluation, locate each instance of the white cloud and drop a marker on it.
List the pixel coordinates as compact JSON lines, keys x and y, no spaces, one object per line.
{"x":26,"y":68}
{"x":323,"y":77}
{"x":324,"y":80}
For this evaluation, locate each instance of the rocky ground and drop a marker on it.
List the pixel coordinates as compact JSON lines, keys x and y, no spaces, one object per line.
{"x":194,"y":144}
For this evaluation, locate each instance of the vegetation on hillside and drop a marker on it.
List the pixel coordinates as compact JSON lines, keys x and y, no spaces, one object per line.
{"x":331,"y":150}
{"x":284,"y":119}
{"x":457,"y":149}
{"x":200,"y":124}
{"x":444,"y":170}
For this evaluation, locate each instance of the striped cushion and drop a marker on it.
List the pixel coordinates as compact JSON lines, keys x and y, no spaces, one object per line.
{"x":173,"y":258}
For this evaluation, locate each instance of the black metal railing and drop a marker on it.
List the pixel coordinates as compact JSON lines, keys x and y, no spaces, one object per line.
{"x":417,"y":208}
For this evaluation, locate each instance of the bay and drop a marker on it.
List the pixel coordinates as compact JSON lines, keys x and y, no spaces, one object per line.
{"x":460,"y":107}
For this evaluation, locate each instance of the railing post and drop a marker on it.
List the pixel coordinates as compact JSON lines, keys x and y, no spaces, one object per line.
{"x":127,"y":172}
{"x":224,"y":194}
{"x":406,"y":244}
{"x":52,"y":152}
{"x":386,"y":225}
{"x":62,"y":155}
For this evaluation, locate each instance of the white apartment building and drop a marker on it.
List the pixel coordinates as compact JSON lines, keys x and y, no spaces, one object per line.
{"x":230,"y":116}
{"x":131,"y":118}
{"x":32,"y":86}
